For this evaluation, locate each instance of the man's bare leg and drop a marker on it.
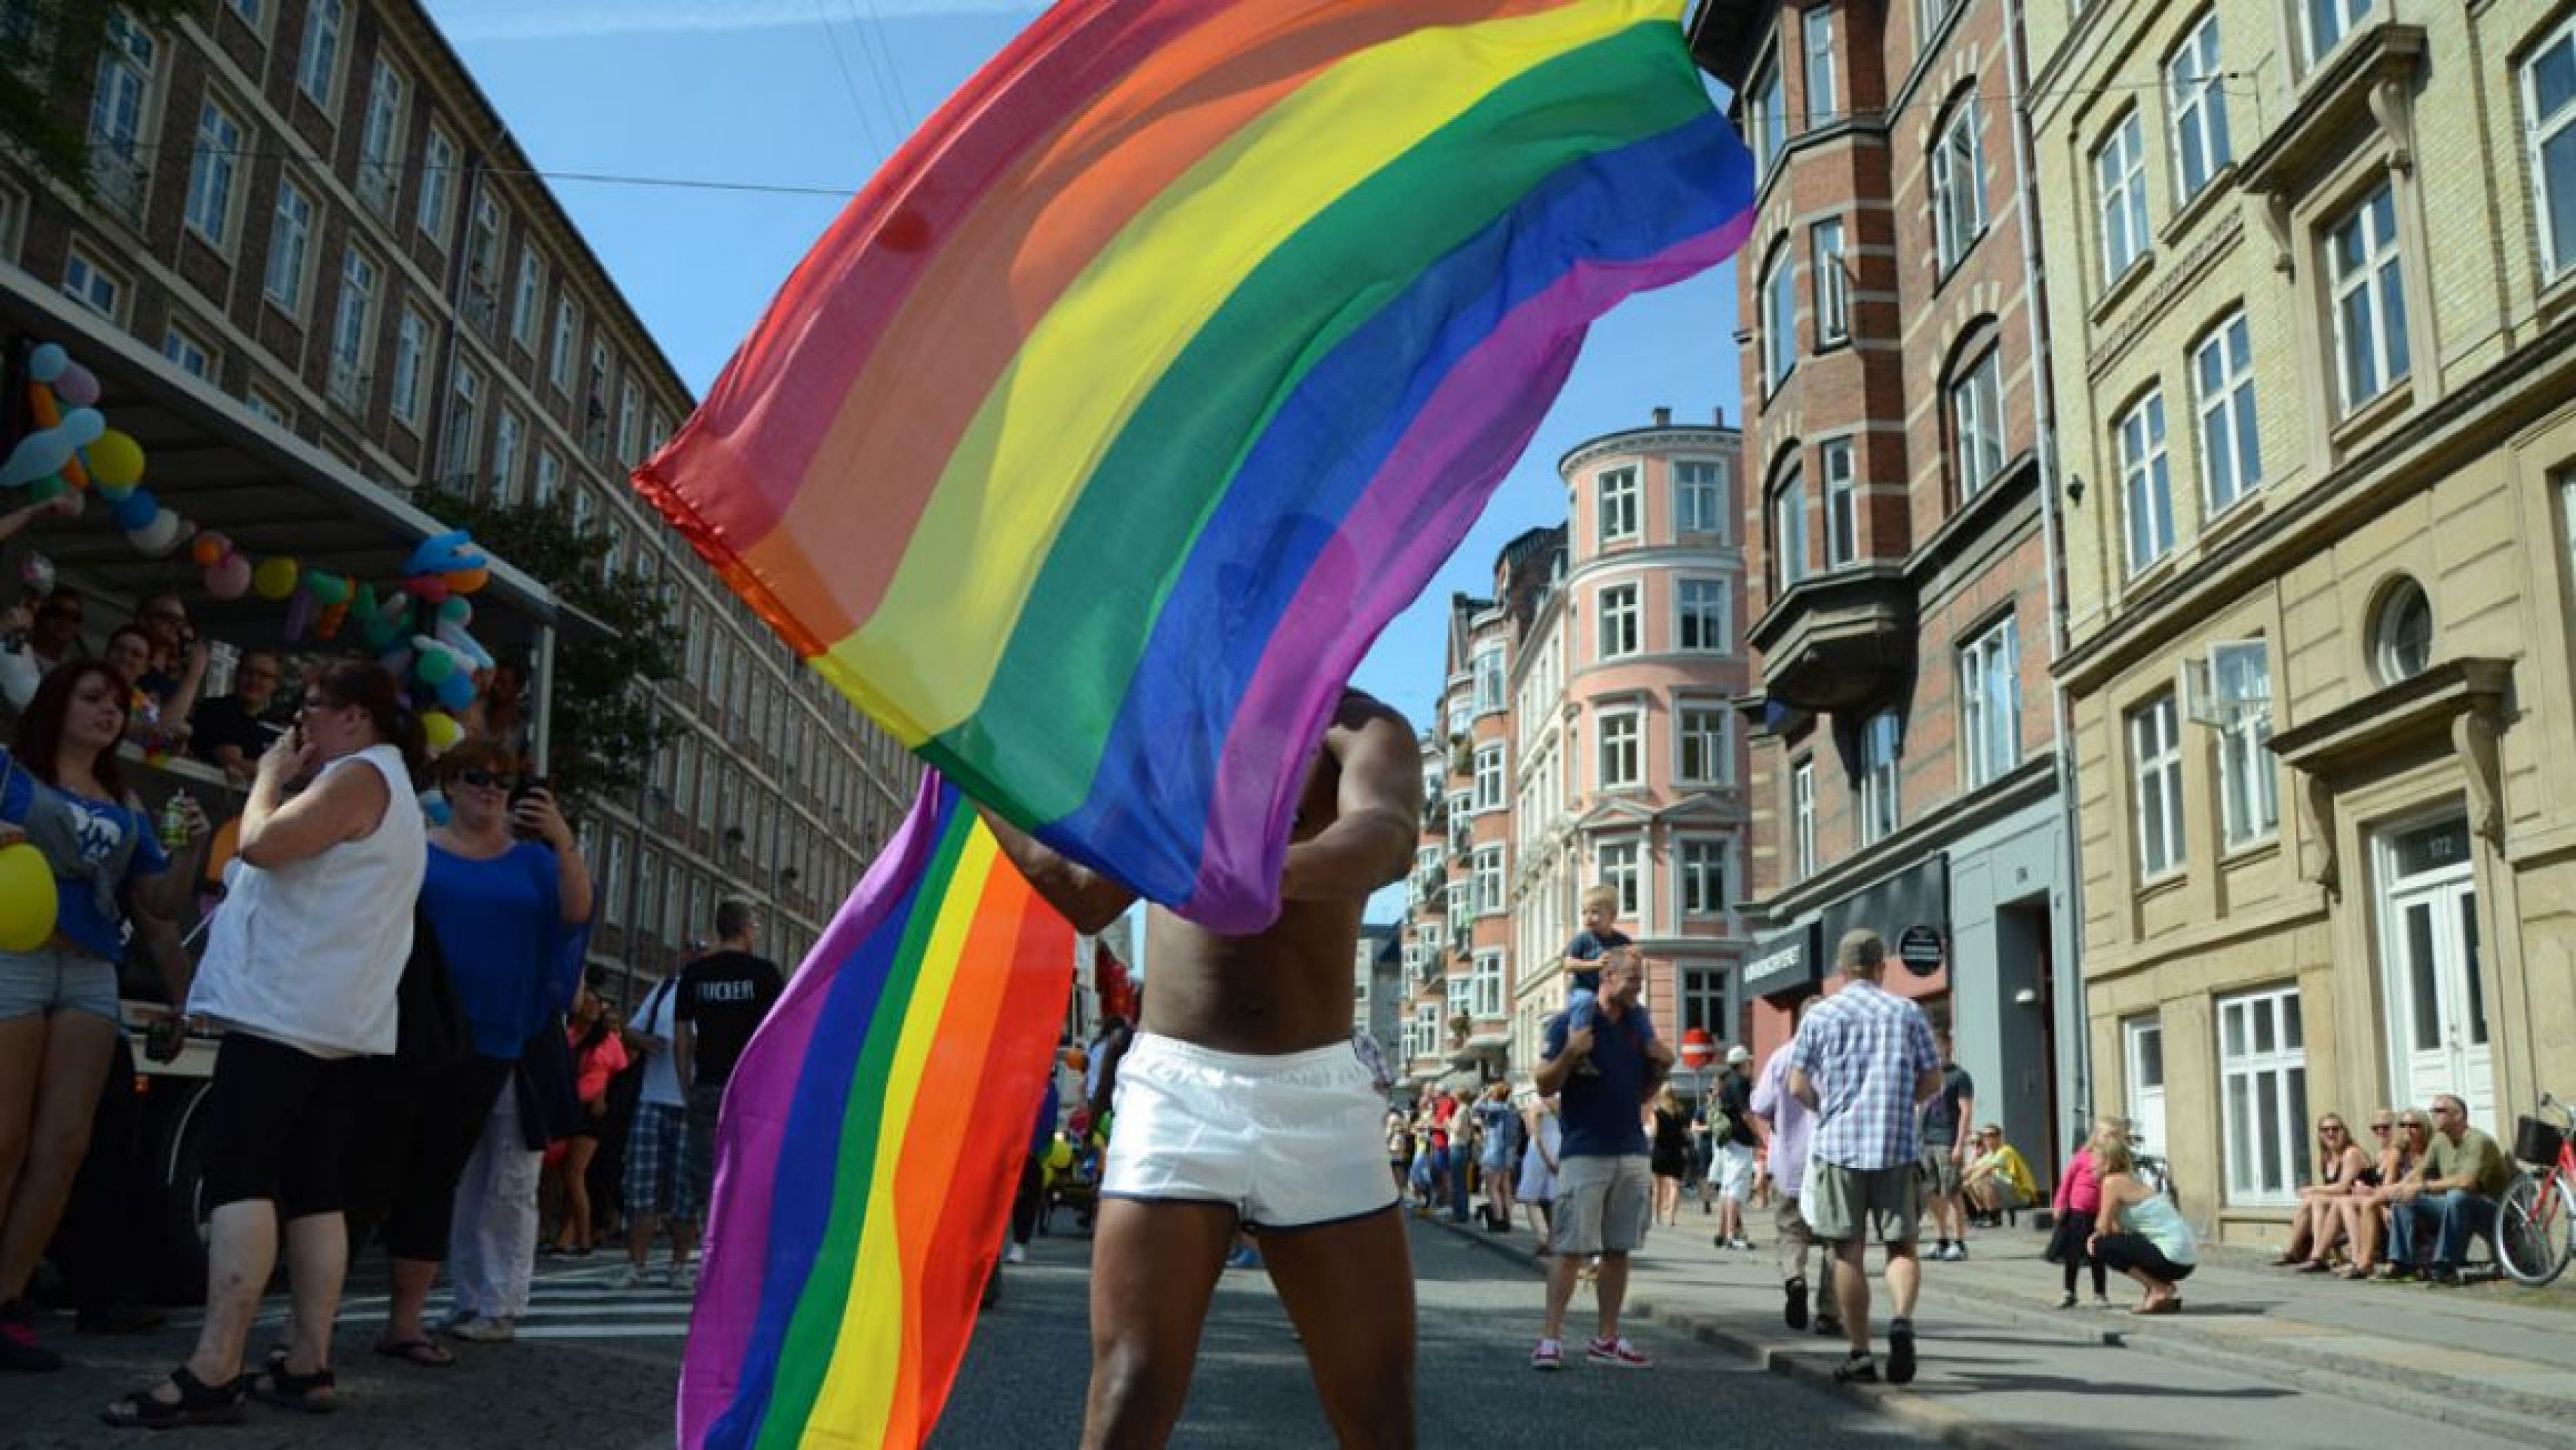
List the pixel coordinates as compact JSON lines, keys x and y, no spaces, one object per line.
{"x":1904,"y":1277}
{"x":1611,"y":1290}
{"x":1851,"y":1290}
{"x":1154,"y":1267}
{"x":1348,"y":1288}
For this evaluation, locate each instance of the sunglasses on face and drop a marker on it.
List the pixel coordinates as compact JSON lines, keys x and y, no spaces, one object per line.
{"x":2380,"y":1127}
{"x":489,"y":779}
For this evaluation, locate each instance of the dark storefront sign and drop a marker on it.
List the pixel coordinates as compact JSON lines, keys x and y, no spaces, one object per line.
{"x":1896,"y":905}
{"x":1921,"y":949}
{"x":1785,"y":962}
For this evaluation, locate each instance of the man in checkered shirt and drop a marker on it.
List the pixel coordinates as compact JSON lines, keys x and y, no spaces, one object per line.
{"x":1862,"y":1061}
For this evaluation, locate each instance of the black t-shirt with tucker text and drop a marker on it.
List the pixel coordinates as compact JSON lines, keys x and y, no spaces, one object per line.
{"x":723,"y":996}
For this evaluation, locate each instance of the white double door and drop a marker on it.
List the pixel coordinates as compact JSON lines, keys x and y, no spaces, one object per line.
{"x":2435,"y":989}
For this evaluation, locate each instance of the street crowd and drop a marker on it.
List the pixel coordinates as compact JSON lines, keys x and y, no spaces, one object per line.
{"x":409,"y":1052}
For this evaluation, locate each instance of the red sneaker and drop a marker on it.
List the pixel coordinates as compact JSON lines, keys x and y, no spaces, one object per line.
{"x":1619,"y":1352}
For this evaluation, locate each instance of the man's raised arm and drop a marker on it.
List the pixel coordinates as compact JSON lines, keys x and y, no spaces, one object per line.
{"x":1088,"y":899}
{"x":1378,"y":813}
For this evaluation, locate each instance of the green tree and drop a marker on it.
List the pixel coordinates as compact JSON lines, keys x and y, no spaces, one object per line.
{"x":49,"y":53}
{"x":605,"y":727}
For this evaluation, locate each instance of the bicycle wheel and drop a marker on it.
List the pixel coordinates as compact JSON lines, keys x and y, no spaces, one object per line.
{"x":2534,"y":1232}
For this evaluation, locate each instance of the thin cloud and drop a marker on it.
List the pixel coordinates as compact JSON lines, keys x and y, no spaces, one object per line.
{"x":463,"y":20}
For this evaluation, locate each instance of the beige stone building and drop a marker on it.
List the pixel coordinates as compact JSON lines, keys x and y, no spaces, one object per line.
{"x":2311,"y":294}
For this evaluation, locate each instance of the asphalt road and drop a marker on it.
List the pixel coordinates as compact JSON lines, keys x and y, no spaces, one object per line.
{"x":594,"y":1370}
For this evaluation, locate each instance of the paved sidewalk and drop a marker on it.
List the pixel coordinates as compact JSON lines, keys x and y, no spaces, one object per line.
{"x":2258,"y":1356}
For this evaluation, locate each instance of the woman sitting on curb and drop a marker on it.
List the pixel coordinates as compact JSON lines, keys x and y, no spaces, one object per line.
{"x":2343,"y":1169}
{"x":2365,"y":1212}
{"x":2148,"y":1240}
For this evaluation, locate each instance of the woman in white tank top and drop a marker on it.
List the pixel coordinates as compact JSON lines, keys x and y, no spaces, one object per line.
{"x":302,"y":964}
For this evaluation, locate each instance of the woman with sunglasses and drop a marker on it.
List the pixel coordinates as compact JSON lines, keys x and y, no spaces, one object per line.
{"x":2318,"y":1226}
{"x":2403,"y":1135}
{"x":301,"y":970}
{"x":508,"y":896}
{"x":60,"y":791}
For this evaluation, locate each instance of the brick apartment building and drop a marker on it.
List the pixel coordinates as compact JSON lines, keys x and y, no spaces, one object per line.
{"x":308,"y":207}
{"x":1898,"y":533}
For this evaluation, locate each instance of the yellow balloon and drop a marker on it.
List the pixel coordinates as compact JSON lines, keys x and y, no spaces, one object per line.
{"x":115,"y":460}
{"x":27,"y":901}
{"x":274,"y":578}
{"x":441,"y":730}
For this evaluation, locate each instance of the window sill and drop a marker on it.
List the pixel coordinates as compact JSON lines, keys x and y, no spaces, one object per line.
{"x":2373,"y":415}
{"x":2557,"y":298}
{"x":2220,"y":183}
{"x":1941,"y":275}
{"x":2146,"y":575}
{"x":2246,"y":853}
{"x":2163,"y":883}
{"x":2117,"y":290}
{"x":2236,"y":517}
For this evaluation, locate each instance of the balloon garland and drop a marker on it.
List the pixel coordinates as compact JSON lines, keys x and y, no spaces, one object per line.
{"x":418,"y":628}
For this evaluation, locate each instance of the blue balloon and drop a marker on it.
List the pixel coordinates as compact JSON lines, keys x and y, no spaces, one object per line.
{"x":456,"y":692}
{"x":47,"y":362}
{"x":135,"y":510}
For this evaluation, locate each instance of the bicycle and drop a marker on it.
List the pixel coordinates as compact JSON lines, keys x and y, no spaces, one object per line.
{"x":2536,"y":1220}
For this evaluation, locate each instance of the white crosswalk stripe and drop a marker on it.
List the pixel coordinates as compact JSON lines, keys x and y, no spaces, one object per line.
{"x":581,"y":1303}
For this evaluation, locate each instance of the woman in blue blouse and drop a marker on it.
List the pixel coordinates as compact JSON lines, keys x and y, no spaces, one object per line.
{"x":508,"y":897}
{"x":60,"y":790}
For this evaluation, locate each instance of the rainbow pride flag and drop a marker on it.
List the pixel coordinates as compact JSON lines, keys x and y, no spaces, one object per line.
{"x":871,"y":1139}
{"x":1104,"y":431}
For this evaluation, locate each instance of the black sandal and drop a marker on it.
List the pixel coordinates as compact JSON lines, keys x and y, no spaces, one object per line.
{"x":199,"y":1403}
{"x":309,"y":1393}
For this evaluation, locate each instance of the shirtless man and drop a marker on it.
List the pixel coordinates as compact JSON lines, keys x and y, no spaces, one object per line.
{"x":1244,"y":1104}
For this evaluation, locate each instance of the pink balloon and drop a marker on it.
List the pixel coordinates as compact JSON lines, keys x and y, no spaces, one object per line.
{"x":229,"y":577}
{"x":76,"y":385}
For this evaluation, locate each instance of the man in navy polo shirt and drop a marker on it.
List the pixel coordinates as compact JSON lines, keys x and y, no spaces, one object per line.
{"x":1603,"y":1181}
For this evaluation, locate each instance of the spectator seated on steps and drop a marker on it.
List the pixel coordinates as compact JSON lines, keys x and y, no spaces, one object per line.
{"x":1998,"y":1181}
{"x":2457,"y":1183}
{"x":2343,"y":1170}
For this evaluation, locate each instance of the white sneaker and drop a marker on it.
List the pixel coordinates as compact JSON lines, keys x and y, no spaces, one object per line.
{"x":487,"y":1331}
{"x":1015,"y":1255}
{"x":629,"y":1276}
{"x":684,"y":1277}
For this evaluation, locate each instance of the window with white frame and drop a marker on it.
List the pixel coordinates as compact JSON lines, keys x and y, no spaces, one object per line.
{"x":2155,"y":764}
{"x":1619,"y":623}
{"x":2263,"y":1092}
{"x":2327,"y":22}
{"x":2369,"y":298}
{"x":1977,"y":423}
{"x":1699,"y":746}
{"x":630,"y":423}
{"x":2196,"y":95}
{"x":437,"y":202}
{"x":1833,"y":284}
{"x":1618,"y":491}
{"x":2248,"y":787}
{"x":1490,"y":900}
{"x":1699,"y":496}
{"x":527,"y":299}
{"x":567,"y":334}
{"x":248,"y":10}
{"x":1842,"y":504}
{"x":1958,"y":186}
{"x":464,"y":420}
{"x":1486,"y":996}
{"x":290,"y":242}
{"x":1700,"y":861}
{"x":1617,"y":863}
{"x":2549,"y":110}
{"x":1489,"y":777}
{"x":504,"y":472}
{"x":1802,"y":818}
{"x":122,"y":94}
{"x":1622,"y":750}
{"x":188,"y":352}
{"x":92,"y":285}
{"x":1435,"y":937}
{"x":1990,"y":704}
{"x":1789,"y":526}
{"x":270,"y":408}
{"x":2120,"y":192}
{"x":211,"y":174}
{"x":2231,"y":454}
{"x":353,"y":327}
{"x":317,"y":61}
{"x":549,"y":477}
{"x":1490,"y":694}
{"x":2146,"y":482}
{"x":1702,"y":990}
{"x":380,"y":140}
{"x":1816,"y":42}
{"x":1462,"y":822}
{"x":1879,"y":740}
{"x":1700,"y":615}
{"x":1461,"y":993}
{"x":1779,"y":319}
{"x":411,"y":362}
{"x":1462,"y":899}
{"x":1766,"y":119}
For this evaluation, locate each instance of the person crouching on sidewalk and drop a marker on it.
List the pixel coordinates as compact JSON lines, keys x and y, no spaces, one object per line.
{"x":2139,"y":1232}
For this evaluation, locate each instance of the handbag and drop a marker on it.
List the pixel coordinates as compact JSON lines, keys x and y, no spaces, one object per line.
{"x":549,"y":1103}
{"x":431,"y":1031}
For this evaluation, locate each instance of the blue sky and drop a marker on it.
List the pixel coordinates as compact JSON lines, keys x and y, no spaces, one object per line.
{"x":813,"y":95}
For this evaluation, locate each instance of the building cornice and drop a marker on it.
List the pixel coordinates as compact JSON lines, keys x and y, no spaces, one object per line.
{"x":1669,"y":438}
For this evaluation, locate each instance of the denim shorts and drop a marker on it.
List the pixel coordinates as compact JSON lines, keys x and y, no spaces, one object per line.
{"x":50,"y":979}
